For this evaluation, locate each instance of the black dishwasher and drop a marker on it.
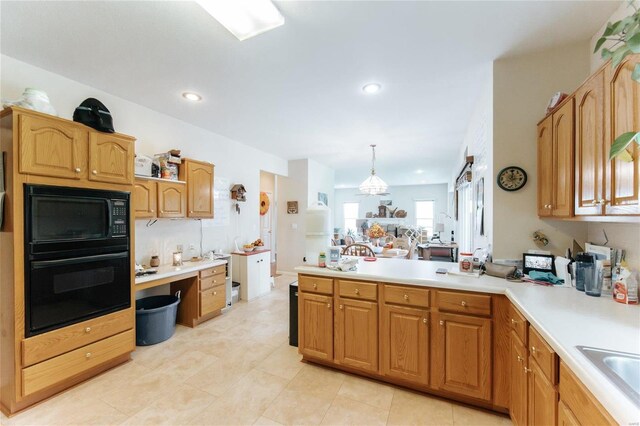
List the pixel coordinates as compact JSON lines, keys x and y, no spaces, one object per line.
{"x":293,"y":314}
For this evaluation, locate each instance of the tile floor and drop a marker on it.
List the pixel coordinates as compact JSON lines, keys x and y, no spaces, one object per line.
{"x":238,"y":369}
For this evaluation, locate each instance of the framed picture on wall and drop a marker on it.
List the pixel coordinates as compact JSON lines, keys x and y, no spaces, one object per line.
{"x":292,"y":207}
{"x":323,"y":198}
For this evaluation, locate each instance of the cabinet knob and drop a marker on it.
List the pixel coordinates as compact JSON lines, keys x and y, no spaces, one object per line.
{"x":441,"y":322}
{"x":514,"y":322}
{"x":215,"y":293}
{"x":424,"y":320}
{"x":406,"y":297}
{"x":315,"y":285}
{"x":357,"y":291}
{"x":151,"y":210}
{"x":533,"y":349}
{"x":95,"y":172}
{"x":463,"y":303}
{"x":527,"y":370}
{"x":519,"y":358}
{"x":87,"y":330}
{"x":190,"y":211}
{"x":329,"y":305}
{"x":87,"y":355}
{"x":161,"y":211}
{"x":341,"y":307}
{"x":78,"y":170}
{"x":602,"y":202}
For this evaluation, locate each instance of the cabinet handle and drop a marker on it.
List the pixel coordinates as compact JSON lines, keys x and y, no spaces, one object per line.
{"x":527,"y":370}
{"x":95,"y":172}
{"x":441,"y":322}
{"x":357,"y":291}
{"x":514,"y":322}
{"x":424,"y":320}
{"x":78,"y":170}
{"x":341,"y":307}
{"x":329,"y":305}
{"x":533,"y":349}
{"x":406,"y":297}
{"x":519,"y":358}
{"x":463,"y":303}
{"x":87,"y":355}
{"x":87,"y":330}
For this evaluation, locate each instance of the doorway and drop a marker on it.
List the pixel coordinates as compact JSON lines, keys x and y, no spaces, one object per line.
{"x":268,"y":216}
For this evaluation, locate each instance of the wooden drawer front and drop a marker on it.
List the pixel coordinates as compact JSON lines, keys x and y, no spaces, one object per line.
{"x":518,"y":324}
{"x":582,"y":404}
{"x":358,"y":290}
{"x":542,"y":353}
{"x":55,"y":370}
{"x":44,"y":346}
{"x":315,"y":284}
{"x":212,"y":300}
{"x":205,"y":273}
{"x":466,"y":303}
{"x":406,"y":296}
{"x":212,"y":281}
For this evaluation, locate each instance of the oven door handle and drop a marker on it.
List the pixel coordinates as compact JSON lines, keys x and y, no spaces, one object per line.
{"x":109,"y":217}
{"x":75,"y":260}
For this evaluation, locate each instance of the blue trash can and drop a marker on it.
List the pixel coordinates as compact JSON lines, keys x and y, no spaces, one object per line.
{"x":156,"y":319}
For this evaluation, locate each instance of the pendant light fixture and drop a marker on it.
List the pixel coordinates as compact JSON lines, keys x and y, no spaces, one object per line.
{"x":373,"y":185}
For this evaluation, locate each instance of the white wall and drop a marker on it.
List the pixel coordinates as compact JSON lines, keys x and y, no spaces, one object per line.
{"x":522,"y":87}
{"x":156,"y":133}
{"x":620,"y":235}
{"x":403,"y":197}
{"x":478,"y":141}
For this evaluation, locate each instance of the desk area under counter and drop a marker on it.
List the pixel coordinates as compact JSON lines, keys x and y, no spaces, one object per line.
{"x":203,"y":287}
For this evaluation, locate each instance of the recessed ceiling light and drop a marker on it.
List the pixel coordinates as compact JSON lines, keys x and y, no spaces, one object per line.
{"x":419,"y":171}
{"x":371,"y":88}
{"x":190,"y":96}
{"x":244,"y":18}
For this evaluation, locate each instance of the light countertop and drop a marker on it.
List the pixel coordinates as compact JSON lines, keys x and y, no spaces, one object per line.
{"x":166,"y":271}
{"x":564,"y":317}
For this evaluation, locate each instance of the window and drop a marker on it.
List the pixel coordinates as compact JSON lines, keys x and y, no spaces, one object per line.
{"x":350,"y":211}
{"x":424,"y":215}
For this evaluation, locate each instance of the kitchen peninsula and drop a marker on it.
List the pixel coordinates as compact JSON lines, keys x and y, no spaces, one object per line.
{"x":465,"y":338}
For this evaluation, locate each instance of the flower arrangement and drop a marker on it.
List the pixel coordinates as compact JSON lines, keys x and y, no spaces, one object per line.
{"x":376,"y":231}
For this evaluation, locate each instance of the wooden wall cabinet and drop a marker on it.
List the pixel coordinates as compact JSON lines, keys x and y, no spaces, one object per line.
{"x":555,"y":157}
{"x":145,"y":199}
{"x":172,"y":199}
{"x":463,"y":355}
{"x":110,"y":158}
{"x":199,"y":176}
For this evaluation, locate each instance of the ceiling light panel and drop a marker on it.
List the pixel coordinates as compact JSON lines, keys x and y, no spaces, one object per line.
{"x":244,"y":18}
{"x":191,"y":96}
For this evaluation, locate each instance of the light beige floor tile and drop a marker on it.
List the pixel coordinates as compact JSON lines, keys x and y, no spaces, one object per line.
{"x":184,"y":366}
{"x":318,"y":381}
{"x":173,"y":409}
{"x":295,"y":407}
{"x":283,"y":362}
{"x":217,"y":376}
{"x":367,"y":391}
{"x":263,"y":421}
{"x":408,"y":408}
{"x":470,"y":416}
{"x":345,"y":411}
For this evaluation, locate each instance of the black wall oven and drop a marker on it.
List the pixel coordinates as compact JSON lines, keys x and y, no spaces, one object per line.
{"x":77,"y":255}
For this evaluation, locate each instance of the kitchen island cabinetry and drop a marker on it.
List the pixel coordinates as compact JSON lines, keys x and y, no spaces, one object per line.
{"x":315,"y":325}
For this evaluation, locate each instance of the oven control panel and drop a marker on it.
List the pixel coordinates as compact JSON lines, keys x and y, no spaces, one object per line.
{"x":119,"y":218}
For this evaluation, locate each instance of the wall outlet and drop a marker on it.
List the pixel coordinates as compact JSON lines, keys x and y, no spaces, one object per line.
{"x":179,"y":248}
{"x":192,"y":246}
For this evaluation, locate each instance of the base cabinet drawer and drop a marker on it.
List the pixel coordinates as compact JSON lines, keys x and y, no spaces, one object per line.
{"x":212,"y":300}
{"x":406,"y":296}
{"x":66,"y":366}
{"x":212,"y":281}
{"x":315,"y":284}
{"x":48,"y":345}
{"x":206,"y":273}
{"x":464,"y":303}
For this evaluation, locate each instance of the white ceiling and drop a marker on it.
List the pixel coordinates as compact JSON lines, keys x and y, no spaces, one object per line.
{"x":296,"y":91}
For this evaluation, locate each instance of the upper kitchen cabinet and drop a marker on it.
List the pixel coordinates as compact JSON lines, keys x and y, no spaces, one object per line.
{"x":622,"y":108}
{"x":111,"y":158}
{"x":52,"y":147}
{"x":555,"y":162}
{"x":145,"y":198}
{"x":590,"y":147}
{"x":172,"y":200}
{"x":199,"y":176}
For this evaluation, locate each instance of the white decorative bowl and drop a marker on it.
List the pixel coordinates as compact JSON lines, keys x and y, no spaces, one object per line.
{"x":377,"y":249}
{"x":247,"y":250}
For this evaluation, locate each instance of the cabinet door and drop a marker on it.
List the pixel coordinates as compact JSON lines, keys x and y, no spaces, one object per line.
{"x":623,"y":99}
{"x":542,"y":395}
{"x":265,"y":273}
{"x":405,"y":343}
{"x":463,"y":355}
{"x":563,"y":142}
{"x":172,"y":199}
{"x":199,"y":189}
{"x":590,"y":152}
{"x":356,"y":334}
{"x":518,"y":396}
{"x":145,"y":198}
{"x":565,"y":416}
{"x":51,"y":147}
{"x":110,"y":158}
{"x":315,"y":326}
{"x":545,"y":167}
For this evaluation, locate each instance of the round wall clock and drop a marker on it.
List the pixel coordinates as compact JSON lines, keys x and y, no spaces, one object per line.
{"x":512,"y":178}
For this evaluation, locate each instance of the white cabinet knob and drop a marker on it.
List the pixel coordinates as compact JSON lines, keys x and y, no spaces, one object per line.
{"x":95,"y":172}
{"x":78,"y":170}
{"x":406,"y":297}
{"x":357,"y":291}
{"x":463,"y":303}
{"x":441,"y":322}
{"x":329,"y":305}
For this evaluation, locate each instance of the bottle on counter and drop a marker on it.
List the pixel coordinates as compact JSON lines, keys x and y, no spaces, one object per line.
{"x":322,"y":260}
{"x":465,"y":262}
